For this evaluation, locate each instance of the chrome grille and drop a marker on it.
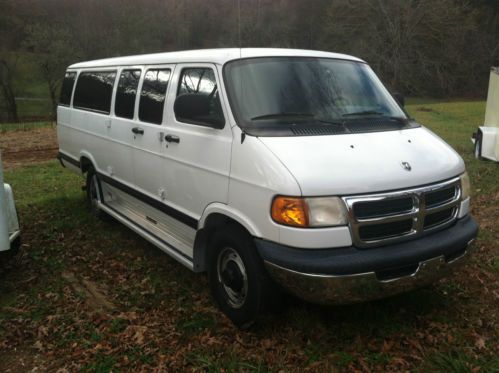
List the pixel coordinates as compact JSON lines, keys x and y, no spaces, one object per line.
{"x":371,"y":209}
{"x":432,"y":220}
{"x":383,"y":218}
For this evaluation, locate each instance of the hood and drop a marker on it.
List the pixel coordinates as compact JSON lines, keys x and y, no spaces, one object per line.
{"x":367,"y":162}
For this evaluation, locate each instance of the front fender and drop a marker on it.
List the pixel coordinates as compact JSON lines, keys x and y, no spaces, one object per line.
{"x":220,"y":208}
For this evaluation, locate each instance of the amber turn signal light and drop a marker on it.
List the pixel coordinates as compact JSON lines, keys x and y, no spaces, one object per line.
{"x":290,"y":211}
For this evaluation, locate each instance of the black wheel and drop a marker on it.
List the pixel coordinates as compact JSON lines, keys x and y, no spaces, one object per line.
{"x":238,"y":280}
{"x":478,"y":145}
{"x":94,"y":194}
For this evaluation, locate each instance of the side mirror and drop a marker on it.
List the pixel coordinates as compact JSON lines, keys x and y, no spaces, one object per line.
{"x":195,"y":108}
{"x":399,"y":97}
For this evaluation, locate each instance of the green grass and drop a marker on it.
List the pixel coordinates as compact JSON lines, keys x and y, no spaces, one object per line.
{"x":458,"y":362}
{"x":23,"y":126}
{"x":431,"y":329}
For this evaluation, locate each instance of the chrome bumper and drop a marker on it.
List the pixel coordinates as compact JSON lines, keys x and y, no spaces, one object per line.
{"x":347,"y":289}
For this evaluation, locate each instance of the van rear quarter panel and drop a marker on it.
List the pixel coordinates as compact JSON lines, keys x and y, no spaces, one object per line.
{"x":89,"y":136}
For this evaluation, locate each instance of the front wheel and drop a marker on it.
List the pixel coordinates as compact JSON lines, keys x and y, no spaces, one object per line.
{"x":238,"y":280}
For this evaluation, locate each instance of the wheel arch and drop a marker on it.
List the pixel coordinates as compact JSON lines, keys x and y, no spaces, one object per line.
{"x":214,"y":218}
{"x":86,"y":162}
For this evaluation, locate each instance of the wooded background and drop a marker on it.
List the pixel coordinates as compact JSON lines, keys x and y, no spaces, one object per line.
{"x":437,"y":48}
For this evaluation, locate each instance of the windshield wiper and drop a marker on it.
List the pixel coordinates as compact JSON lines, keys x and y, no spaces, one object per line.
{"x":365,"y":112}
{"x":283,"y":114}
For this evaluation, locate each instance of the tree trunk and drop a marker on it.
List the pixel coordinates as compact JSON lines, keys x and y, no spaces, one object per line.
{"x":53,"y":98}
{"x":8,"y":91}
{"x":52,"y":83}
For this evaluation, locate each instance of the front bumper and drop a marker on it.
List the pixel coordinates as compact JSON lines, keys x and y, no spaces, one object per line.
{"x":350,"y":275}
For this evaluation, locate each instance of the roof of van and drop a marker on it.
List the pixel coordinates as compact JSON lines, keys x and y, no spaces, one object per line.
{"x":218,"y":56}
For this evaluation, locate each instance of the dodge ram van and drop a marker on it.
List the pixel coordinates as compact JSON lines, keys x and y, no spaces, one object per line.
{"x":269,"y":169}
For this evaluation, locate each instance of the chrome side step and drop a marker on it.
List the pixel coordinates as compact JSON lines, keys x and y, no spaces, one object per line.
{"x":165,"y":227}
{"x":170,"y":250}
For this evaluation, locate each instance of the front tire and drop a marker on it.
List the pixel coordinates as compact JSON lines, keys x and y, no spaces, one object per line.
{"x":238,"y":280}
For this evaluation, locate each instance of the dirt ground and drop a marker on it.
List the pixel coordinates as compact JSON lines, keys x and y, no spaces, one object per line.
{"x":21,"y":148}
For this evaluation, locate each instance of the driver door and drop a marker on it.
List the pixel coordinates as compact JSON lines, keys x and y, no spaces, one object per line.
{"x":197,"y":159}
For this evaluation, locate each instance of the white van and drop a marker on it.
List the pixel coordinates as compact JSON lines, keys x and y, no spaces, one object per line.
{"x":265,"y":166}
{"x":10,"y":233}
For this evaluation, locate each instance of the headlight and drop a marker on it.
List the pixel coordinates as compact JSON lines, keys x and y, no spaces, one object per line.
{"x":465,"y":186}
{"x":309,"y":212}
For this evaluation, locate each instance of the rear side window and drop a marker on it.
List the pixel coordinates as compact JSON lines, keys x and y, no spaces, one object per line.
{"x":202,"y":82}
{"x":152,"y":97}
{"x":67,"y":88}
{"x":125,"y":94}
{"x":94,"y":90}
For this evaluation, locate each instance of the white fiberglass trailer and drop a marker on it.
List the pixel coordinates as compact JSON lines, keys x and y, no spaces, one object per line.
{"x":9,"y":224}
{"x":487,"y":136}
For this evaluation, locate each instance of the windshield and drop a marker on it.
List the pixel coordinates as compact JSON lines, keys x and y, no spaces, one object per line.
{"x":283,"y":91}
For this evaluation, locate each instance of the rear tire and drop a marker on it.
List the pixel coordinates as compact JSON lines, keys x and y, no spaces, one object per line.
{"x":94,"y":195}
{"x":238,"y":280}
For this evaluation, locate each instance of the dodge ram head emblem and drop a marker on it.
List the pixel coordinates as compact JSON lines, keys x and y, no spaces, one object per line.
{"x":406,"y":166}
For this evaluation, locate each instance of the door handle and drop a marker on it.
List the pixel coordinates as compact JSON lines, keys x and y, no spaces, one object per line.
{"x":138,"y":131}
{"x":172,"y":138}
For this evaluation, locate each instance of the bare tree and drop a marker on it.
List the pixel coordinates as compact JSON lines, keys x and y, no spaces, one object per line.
{"x":7,"y":72}
{"x":54,"y":48}
{"x":421,"y":47}
{"x":418,"y":46}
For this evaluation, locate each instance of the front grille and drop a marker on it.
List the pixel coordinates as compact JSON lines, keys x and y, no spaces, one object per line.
{"x":385,"y":230}
{"x":439,"y":217}
{"x":440,"y":196}
{"x":395,"y":216}
{"x":382,"y":208}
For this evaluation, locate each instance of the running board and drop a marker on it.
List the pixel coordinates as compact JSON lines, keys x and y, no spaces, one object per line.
{"x":170,"y":250}
{"x":157,"y":223}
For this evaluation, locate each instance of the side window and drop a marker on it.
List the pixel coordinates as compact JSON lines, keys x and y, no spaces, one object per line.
{"x":125,"y":94}
{"x":94,"y":90}
{"x":200,"y":84}
{"x":67,"y":88}
{"x":152,"y":97}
